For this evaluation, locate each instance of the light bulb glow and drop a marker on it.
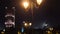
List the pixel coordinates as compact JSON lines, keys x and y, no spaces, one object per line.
{"x":39,"y":2}
{"x":30,"y":24}
{"x":25,"y":4}
{"x":25,"y":24}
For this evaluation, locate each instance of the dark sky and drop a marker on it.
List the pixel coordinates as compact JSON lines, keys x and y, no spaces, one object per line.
{"x":48,"y":12}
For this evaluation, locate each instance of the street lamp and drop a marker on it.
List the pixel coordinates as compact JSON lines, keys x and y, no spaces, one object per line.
{"x":27,"y":3}
{"x":30,"y":4}
{"x":39,"y":2}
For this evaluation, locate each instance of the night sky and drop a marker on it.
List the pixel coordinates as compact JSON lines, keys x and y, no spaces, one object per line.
{"x":48,"y":12}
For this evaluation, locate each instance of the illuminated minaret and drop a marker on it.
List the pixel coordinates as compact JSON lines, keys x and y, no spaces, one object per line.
{"x":10,"y":17}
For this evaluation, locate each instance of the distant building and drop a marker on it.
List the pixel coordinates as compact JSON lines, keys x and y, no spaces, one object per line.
{"x":10,"y":21}
{"x":10,"y":18}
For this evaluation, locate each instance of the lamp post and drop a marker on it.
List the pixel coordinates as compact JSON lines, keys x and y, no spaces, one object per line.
{"x":27,"y":3}
{"x":39,"y":1}
{"x":30,"y":4}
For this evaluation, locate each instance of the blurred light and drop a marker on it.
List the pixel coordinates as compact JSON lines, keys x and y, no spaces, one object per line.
{"x":22,"y":30}
{"x":25,"y":4}
{"x":30,"y":24}
{"x":48,"y":31}
{"x":9,"y":15}
{"x":25,"y":24}
{"x":23,"y":21}
{"x":9,"y":23}
{"x":57,"y":33}
{"x":39,"y":2}
{"x":13,"y":7}
{"x":2,"y":32}
{"x":51,"y":29}
{"x":6,"y":7}
{"x":19,"y":32}
{"x":46,"y":24}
